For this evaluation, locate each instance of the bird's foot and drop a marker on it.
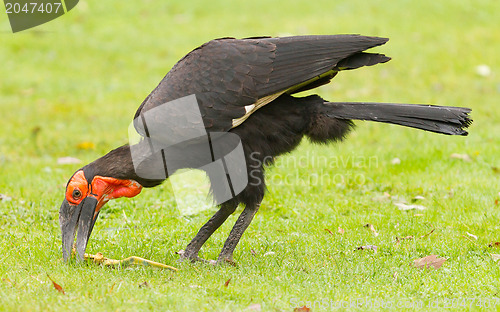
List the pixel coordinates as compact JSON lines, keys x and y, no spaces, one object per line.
{"x":225,"y":260}
{"x":183,"y":256}
{"x":222,"y":260}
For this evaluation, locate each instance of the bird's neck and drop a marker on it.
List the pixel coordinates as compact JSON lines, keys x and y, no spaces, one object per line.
{"x":118,"y":164}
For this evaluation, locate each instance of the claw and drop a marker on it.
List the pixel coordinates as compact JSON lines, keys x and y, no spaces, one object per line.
{"x":193,"y":258}
{"x":224,"y":261}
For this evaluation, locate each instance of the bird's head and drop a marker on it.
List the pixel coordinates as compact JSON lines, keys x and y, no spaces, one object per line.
{"x":86,"y":193}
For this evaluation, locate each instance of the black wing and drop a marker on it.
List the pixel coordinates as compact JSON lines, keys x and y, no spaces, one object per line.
{"x":228,"y":76}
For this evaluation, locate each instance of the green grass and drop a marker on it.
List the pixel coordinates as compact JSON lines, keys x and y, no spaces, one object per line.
{"x":81,"y":77}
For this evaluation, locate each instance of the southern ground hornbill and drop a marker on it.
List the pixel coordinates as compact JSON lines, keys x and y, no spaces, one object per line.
{"x":245,"y":87}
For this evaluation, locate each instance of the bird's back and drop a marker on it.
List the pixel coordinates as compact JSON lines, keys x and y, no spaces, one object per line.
{"x":233,"y":78}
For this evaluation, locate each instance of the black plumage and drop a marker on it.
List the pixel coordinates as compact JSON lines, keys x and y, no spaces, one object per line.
{"x":228,"y":74}
{"x":246,"y":87}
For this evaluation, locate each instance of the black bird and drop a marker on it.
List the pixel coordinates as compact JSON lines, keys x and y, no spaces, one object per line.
{"x":242,"y":87}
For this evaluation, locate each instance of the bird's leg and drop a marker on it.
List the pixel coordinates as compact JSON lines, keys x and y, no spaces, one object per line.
{"x":192,"y":249}
{"x":244,"y":220}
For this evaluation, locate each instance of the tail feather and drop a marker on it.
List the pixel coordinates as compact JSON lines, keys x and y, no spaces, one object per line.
{"x":439,"y":119}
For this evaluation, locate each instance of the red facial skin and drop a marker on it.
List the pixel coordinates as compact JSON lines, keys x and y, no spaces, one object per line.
{"x":102,"y":188}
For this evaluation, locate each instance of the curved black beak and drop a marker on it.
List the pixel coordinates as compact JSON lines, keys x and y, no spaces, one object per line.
{"x":71,"y":218}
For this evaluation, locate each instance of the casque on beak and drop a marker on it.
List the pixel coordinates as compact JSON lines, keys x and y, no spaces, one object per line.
{"x":73,"y":217}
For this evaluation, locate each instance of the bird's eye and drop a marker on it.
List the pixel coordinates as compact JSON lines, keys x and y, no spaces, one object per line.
{"x":77,"y":194}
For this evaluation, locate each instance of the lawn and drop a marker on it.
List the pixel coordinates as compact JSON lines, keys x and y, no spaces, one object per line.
{"x":71,"y":87}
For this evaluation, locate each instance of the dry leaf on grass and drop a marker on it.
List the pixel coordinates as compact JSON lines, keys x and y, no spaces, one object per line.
{"x":405,"y":207}
{"x":429,"y":261}
{"x":398,"y":239}
{"x":339,"y":230}
{"x":382,"y":198}
{"x":254,"y":307}
{"x":5,"y":197}
{"x":68,"y":160}
{"x":372,"y":228}
{"x":370,"y":247}
{"x":494,"y":244}
{"x":227,"y":283}
{"x":464,"y":157}
{"x":396,"y":161}
{"x":56,"y":286}
{"x":495,"y":257}
{"x":302,"y":309}
{"x":112,"y":287}
{"x":395,"y":276}
{"x":471,"y":235}
{"x":36,"y":278}
{"x":483,"y":70}
{"x":144,"y":285}
{"x":425,"y":235}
